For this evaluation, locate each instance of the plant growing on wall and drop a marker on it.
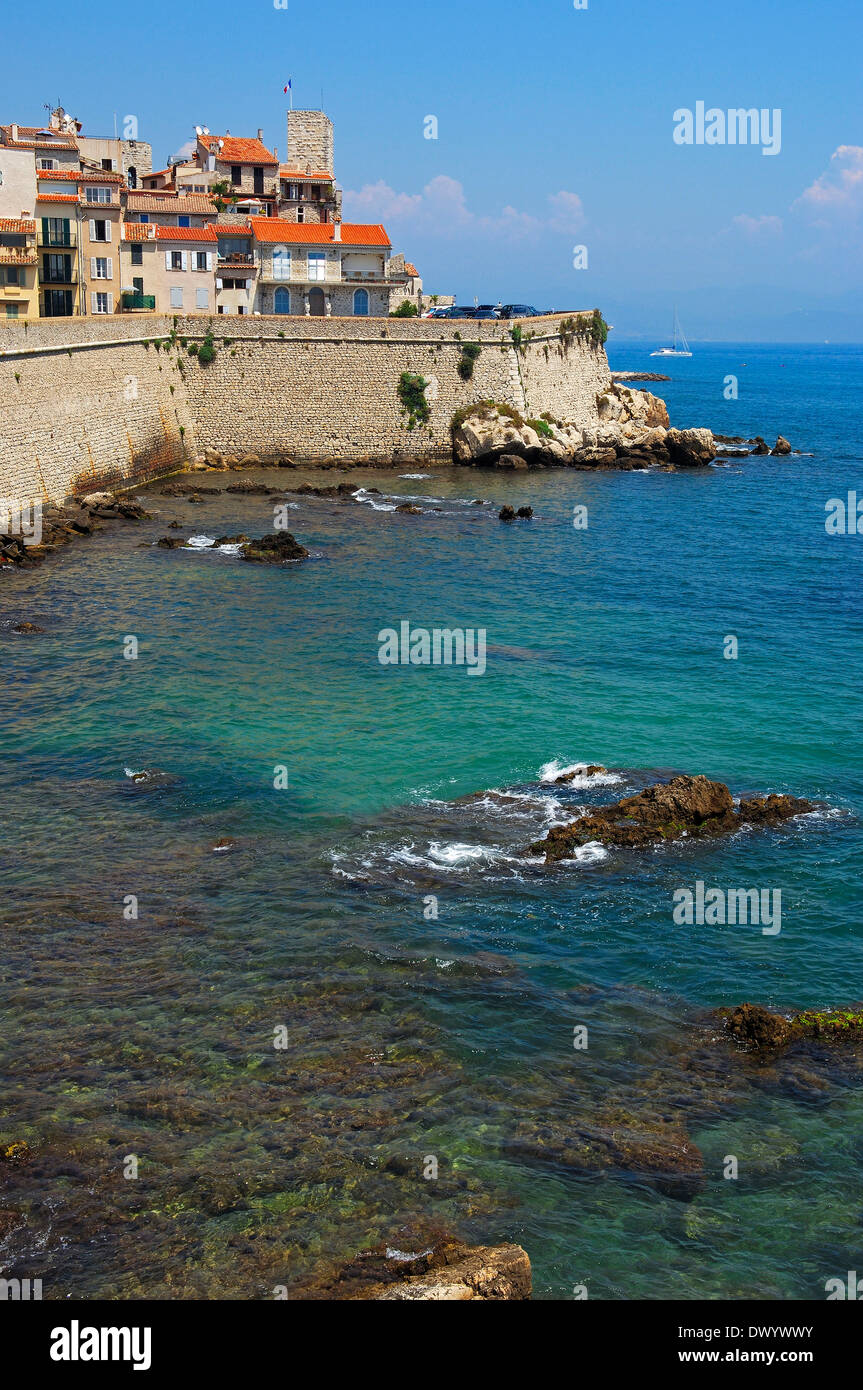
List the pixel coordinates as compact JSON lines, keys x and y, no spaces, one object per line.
{"x":406,"y":310}
{"x":207,"y":351}
{"x":412,"y":394}
{"x":221,"y":194}
{"x":469,"y":353}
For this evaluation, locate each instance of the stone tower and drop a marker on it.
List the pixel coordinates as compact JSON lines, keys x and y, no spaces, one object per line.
{"x":310,"y":141}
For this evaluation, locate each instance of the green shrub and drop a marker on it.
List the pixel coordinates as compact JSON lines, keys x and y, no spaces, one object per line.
{"x":193,"y":349}
{"x":406,"y":310}
{"x":469,"y":353}
{"x":412,"y":394}
{"x":542,"y":428}
{"x":207,"y":351}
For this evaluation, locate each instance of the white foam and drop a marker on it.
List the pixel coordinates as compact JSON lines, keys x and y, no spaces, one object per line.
{"x":550,"y":772}
{"x":362,"y":496}
{"x":416,"y":475}
{"x":591,"y":853}
{"x":199,"y":543}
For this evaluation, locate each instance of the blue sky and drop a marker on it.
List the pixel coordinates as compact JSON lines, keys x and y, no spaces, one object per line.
{"x":555,"y":130}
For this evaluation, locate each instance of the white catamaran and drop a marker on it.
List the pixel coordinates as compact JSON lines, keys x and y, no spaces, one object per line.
{"x":681,"y":346}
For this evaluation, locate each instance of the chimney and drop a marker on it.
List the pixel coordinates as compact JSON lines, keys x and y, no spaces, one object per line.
{"x":260,"y":133}
{"x":337,"y":231}
{"x":15,"y":130}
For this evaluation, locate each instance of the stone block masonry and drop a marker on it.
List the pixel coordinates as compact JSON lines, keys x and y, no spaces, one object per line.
{"x":88,"y":403}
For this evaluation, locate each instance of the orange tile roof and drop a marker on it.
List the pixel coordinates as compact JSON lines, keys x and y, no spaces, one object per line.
{"x":140,"y":231}
{"x":21,"y":225}
{"x":238,"y":150}
{"x":49,"y":174}
{"x":411,"y":269}
{"x":287,"y":171}
{"x":38,"y":137}
{"x":56,"y":197}
{"x":273,"y":229}
{"x":196,"y":203}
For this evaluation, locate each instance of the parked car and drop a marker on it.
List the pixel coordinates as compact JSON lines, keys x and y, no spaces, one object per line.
{"x":486,"y":311}
{"x":519,"y":311}
{"x":438,"y":312}
{"x":460,"y":311}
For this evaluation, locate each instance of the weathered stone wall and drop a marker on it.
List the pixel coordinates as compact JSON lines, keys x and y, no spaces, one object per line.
{"x":85,"y":403}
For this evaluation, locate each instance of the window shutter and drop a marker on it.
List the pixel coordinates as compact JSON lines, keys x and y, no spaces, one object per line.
{"x":110,"y":267}
{"x":92,"y":267}
{"x":218,"y":284}
{"x":92,"y":229}
{"x":107,"y":230}
{"x":92,"y":301}
{"x":45,"y":235}
{"x":184,"y":255}
{"x":110,"y":304}
{"x":209,"y":260}
{"x":167,"y":260}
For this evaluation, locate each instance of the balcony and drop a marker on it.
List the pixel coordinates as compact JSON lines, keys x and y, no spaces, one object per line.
{"x":58,"y":239}
{"x":138,"y":301}
{"x":17,"y":255}
{"x":299,"y":275}
{"x":237,"y":263}
{"x":59,"y":278}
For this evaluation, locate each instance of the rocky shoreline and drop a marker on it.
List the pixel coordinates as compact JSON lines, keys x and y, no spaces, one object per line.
{"x":633,"y":432}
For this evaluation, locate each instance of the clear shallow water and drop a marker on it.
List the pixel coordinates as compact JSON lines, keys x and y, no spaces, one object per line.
{"x":452,"y":1037}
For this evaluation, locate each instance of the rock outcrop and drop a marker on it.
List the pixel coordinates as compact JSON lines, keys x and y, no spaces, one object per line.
{"x":445,"y":1271}
{"x":667,"y":811}
{"x":274,"y":549}
{"x":763,"y":1031}
{"x":632,"y":432}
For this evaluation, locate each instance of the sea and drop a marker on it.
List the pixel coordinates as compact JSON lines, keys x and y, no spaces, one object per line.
{"x":281,"y":979}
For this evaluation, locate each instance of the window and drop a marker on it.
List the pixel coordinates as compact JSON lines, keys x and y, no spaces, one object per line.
{"x":13,"y":275}
{"x":100,"y":194}
{"x":47,"y":164}
{"x":236,"y":173}
{"x":176,"y":264}
{"x":221,"y":309}
{"x":101,"y":303}
{"x":100,"y":230}
{"x":293,"y":190}
{"x":202,"y":299}
{"x":108,"y":165}
{"x":176,"y":297}
{"x":143,"y":217}
{"x":11,"y":311}
{"x":361,"y":302}
{"x":317,"y":266}
{"x":281,"y":263}
{"x":132,"y":176}
{"x":282,"y":301}
{"x":100,"y":268}
{"x":202,"y":260}
{"x":184,"y":221}
{"x":240,"y":309}
{"x":138,"y":283}
{"x":137,"y":255}
{"x":301,"y":213}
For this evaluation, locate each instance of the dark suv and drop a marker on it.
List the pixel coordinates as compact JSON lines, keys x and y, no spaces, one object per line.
{"x":519,"y":311}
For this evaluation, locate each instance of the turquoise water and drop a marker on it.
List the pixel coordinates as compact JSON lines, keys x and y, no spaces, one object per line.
{"x":410,"y":1036}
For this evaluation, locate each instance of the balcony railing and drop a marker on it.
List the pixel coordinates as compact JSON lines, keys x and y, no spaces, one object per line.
{"x":300,"y":275}
{"x":60,"y":240}
{"x":237,"y":261}
{"x":67,"y":276}
{"x":138,"y":301}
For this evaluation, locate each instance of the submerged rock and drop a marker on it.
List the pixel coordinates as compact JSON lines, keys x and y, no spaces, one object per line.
{"x":667,"y":811}
{"x":410,"y":508}
{"x":274,"y":549}
{"x":588,"y":770}
{"x":444,"y":1270}
{"x":27,"y":628}
{"x":507,"y":513}
{"x":765,"y":1031}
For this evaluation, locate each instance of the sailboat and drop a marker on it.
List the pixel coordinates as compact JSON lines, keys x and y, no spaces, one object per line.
{"x":681,"y":346}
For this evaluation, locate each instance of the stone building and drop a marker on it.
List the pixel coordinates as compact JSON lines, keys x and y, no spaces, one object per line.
{"x":321,"y":269}
{"x":308,"y":191}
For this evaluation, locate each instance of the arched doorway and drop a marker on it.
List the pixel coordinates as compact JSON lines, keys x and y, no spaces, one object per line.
{"x":317,"y":307}
{"x":361,"y":303}
{"x":282,"y":301}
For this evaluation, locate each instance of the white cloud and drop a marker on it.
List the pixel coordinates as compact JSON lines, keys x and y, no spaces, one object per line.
{"x":757,"y":228}
{"x":838,"y":192}
{"x":442,"y":208}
